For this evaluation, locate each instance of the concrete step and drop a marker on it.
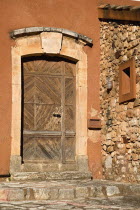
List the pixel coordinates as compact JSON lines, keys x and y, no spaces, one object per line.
{"x":63,"y":175}
{"x":65,"y":190}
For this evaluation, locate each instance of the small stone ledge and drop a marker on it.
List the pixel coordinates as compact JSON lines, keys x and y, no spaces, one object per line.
{"x":36,"y":30}
{"x":137,"y":102}
{"x":66,"y":190}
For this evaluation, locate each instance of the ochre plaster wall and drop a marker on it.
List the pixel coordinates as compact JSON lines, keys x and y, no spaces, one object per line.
{"x":79,"y":16}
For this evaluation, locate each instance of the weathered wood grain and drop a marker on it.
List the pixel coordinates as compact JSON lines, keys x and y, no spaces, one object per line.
{"x":48,"y":109}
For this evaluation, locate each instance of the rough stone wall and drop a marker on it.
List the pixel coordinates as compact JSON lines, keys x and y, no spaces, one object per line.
{"x":120,"y":122}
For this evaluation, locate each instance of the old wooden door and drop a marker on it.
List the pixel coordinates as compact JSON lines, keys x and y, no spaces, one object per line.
{"x":48,"y":112}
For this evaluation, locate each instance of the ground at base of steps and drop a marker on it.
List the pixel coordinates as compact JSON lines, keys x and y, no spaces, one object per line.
{"x":113,"y":203}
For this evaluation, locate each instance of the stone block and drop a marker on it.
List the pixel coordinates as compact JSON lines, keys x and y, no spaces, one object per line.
{"x":51,"y":42}
{"x":67,"y":167}
{"x":110,"y":149}
{"x":59,"y":30}
{"x":33,"y":43}
{"x":136,"y":189}
{"x":86,"y":39}
{"x":29,"y":195}
{"x":53,"y":194}
{"x":137,"y":102}
{"x":92,"y":191}
{"x":16,"y":61}
{"x":33,"y":30}
{"x":133,"y":122}
{"x":21,"y":41}
{"x":66,"y":194}
{"x":69,"y":33}
{"x":130,"y":113}
{"x":15,"y":163}
{"x":19,"y":32}
{"x":41,"y":193}
{"x":3,"y":194}
{"x":108,"y":162}
{"x":135,"y":156}
{"x":82,"y":161}
{"x":69,"y":43}
{"x":112,"y":191}
{"x":15,"y":194}
{"x":46,"y":29}
{"x":70,"y":48}
{"x":82,"y":192}
{"x":99,"y":191}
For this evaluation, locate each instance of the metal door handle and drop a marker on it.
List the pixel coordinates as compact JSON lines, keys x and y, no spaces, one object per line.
{"x":57,"y":115}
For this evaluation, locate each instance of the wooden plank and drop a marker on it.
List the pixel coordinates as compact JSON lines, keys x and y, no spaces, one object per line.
{"x":94,"y":124}
{"x":47,"y":133}
{"x":70,"y":106}
{"x":69,"y":149}
{"x":126,"y":15}
{"x":28,"y":121}
{"x":63,"y":114}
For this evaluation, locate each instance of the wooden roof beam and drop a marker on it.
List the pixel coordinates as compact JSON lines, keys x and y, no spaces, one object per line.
{"x":122,"y":13}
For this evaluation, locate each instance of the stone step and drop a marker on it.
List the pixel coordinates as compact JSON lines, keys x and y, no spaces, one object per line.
{"x":63,"y":175}
{"x":47,"y":167}
{"x":112,"y":203}
{"x":65,"y":190}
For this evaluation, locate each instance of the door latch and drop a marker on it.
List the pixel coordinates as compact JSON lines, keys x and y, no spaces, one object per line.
{"x":57,"y":115}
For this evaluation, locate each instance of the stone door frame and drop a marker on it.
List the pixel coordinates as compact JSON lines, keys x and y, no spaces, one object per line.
{"x":51,"y":43}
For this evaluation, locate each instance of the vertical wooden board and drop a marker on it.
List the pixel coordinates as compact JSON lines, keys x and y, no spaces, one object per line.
{"x":28,"y":88}
{"x":28,"y":117}
{"x":69,"y":149}
{"x":69,"y":91}
{"x":28,"y":67}
{"x":70,"y":104}
{"x":69,"y":118}
{"x":70,"y":69}
{"x":69,"y":107}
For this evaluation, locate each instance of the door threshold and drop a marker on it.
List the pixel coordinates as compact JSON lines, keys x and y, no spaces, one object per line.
{"x":48,"y":167}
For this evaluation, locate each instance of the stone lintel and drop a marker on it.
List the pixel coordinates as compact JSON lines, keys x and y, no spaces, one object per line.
{"x":70,"y":33}
{"x":85,"y":39}
{"x":58,"y":30}
{"x":46,"y":29}
{"x":36,"y":30}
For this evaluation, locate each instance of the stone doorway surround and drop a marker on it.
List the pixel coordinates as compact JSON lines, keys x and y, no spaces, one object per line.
{"x":50,"y":41}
